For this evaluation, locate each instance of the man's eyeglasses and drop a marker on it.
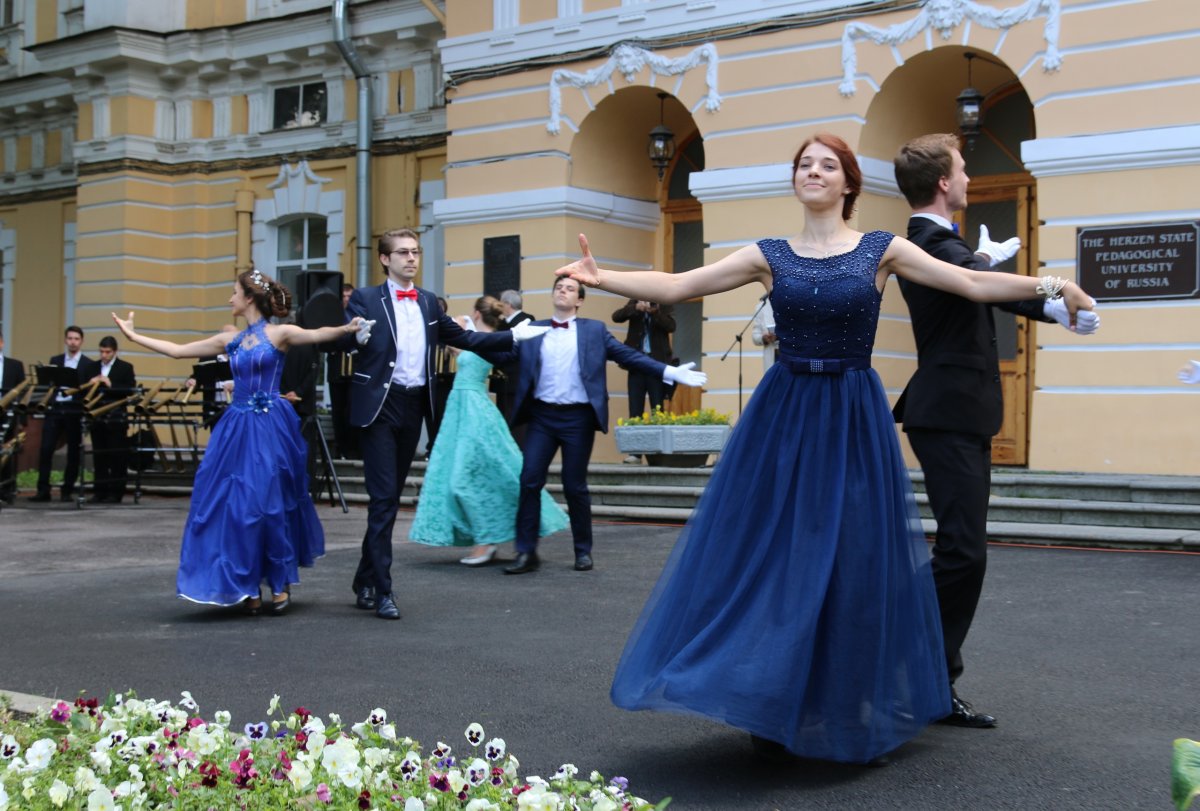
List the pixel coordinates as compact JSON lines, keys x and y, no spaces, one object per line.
{"x":408,"y":251}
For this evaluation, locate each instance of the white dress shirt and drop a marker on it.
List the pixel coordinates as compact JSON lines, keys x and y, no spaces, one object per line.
{"x":560,"y":380}
{"x":71,"y":362}
{"x":410,"y":339}
{"x":939,"y":219}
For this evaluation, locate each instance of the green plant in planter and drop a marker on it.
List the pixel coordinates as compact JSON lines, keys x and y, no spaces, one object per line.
{"x":703,"y":416}
{"x":1185,"y":773}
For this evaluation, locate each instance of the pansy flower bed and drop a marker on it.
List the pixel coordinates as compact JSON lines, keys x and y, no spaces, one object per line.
{"x":127,"y":753}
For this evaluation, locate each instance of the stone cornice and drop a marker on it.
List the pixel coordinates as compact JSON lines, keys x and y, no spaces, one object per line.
{"x":400,"y":146}
{"x":1113,"y":151}
{"x":560,"y":201}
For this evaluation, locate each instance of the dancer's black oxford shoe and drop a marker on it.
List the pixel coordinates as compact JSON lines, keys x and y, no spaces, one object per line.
{"x":364,"y":598}
{"x":583,"y":563}
{"x":525,"y":562}
{"x":40,"y":497}
{"x":961,"y":715}
{"x":387,"y":609}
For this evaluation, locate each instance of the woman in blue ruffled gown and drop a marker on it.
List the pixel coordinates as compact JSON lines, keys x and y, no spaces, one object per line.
{"x":471,"y":485}
{"x":251,"y":518}
{"x":798,"y":603}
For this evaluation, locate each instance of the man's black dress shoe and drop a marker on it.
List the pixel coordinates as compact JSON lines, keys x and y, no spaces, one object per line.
{"x":525,"y":562}
{"x":66,"y":497}
{"x":40,"y":497}
{"x":961,"y":715}
{"x":98,"y":500}
{"x":365,"y":599}
{"x":583,"y":563}
{"x":387,"y":609}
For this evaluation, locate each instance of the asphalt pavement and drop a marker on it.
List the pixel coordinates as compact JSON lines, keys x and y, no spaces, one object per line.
{"x":1088,"y":658}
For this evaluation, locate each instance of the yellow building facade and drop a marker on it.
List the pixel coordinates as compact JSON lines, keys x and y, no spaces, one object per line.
{"x":1089,"y":123}
{"x":151,"y":149}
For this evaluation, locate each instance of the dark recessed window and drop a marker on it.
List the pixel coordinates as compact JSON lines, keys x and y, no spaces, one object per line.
{"x":301,"y":105}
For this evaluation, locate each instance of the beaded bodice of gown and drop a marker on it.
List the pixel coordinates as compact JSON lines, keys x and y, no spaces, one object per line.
{"x":826,"y":308}
{"x":471,"y":373}
{"x":257,"y":367}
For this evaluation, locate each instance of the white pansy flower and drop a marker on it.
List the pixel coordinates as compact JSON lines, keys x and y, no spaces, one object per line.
{"x":222,"y":717}
{"x":565,"y":772}
{"x":539,"y":798}
{"x":335,"y":719}
{"x":414,"y":804}
{"x":378,"y":716}
{"x":101,"y":800}
{"x":315,"y":726}
{"x":510,"y":768}
{"x":38,"y":756}
{"x":360,"y":729}
{"x":9,"y":748}
{"x":85,"y":779}
{"x":27,"y":789}
{"x":273,"y":707}
{"x":456,"y":780}
{"x":595,"y":776}
{"x":474,"y":734}
{"x":376,"y":757}
{"x":351,"y":776}
{"x":495,"y":749}
{"x":480,"y":804}
{"x":478,"y":771}
{"x":299,"y":775}
{"x":102,"y":762}
{"x":3,"y":799}
{"x":602,"y":802}
{"x":388,"y":732}
{"x":59,"y":793}
{"x":187,"y":703}
{"x":339,"y":755}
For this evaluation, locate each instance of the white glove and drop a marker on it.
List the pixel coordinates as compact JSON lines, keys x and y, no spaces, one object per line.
{"x":997,"y":252}
{"x":1086,"y":321}
{"x":684,"y":375}
{"x":1190,"y":373}
{"x":364,"y":332}
{"x":526,"y":330}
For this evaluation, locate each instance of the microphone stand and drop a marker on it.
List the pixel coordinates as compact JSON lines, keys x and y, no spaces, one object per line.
{"x":737,"y":341}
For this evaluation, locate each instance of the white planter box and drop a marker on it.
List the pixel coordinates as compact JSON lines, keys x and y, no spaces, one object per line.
{"x":700,"y":439}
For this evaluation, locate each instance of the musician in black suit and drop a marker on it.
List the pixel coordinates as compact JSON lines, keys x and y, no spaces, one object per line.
{"x":650,"y":328}
{"x":110,"y":431}
{"x":503,"y":382}
{"x":393,"y":388}
{"x":338,"y":370}
{"x":12,"y":374}
{"x":65,"y":417}
{"x":952,"y":406}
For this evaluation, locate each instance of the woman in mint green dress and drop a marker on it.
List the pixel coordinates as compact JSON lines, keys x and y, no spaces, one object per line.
{"x":469,"y":497}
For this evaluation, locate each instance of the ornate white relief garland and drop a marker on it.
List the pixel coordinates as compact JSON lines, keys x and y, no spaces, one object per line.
{"x":944,"y":16}
{"x":630,"y":60}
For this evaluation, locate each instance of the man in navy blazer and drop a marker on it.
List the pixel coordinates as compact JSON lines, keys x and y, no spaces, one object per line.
{"x":562,"y":399}
{"x":391,"y":390}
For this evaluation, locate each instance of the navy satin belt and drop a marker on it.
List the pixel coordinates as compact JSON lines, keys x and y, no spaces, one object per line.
{"x":823,"y":366}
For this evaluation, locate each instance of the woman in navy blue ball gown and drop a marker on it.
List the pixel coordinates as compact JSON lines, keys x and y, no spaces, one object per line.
{"x":251,"y":518}
{"x":814,"y":625}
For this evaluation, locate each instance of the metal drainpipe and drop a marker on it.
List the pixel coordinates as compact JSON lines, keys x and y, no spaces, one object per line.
{"x":362,"y":152}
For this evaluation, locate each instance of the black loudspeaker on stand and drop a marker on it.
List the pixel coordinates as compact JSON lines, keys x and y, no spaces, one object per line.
{"x":319,"y":293}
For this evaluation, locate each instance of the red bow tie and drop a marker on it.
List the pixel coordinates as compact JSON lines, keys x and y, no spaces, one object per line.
{"x":410,"y":293}
{"x":560,"y":324}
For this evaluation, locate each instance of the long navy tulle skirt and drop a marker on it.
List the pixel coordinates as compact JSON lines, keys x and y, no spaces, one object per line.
{"x":798,"y":603}
{"x":251,"y":520}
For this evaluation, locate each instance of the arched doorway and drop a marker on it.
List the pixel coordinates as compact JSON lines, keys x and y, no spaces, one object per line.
{"x":918,"y":98}
{"x":659,"y":224}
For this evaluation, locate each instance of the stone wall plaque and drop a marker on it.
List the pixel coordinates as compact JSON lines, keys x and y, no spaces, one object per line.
{"x":1130,"y":262}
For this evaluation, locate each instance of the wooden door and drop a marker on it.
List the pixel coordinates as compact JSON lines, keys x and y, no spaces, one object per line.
{"x":1006,"y":205}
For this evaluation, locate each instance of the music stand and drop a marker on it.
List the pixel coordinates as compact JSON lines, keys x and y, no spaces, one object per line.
{"x":737,"y":341}
{"x":62,"y":377}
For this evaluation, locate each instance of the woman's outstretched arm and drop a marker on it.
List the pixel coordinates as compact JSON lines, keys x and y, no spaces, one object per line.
{"x":741,"y":267}
{"x":196,"y":349}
